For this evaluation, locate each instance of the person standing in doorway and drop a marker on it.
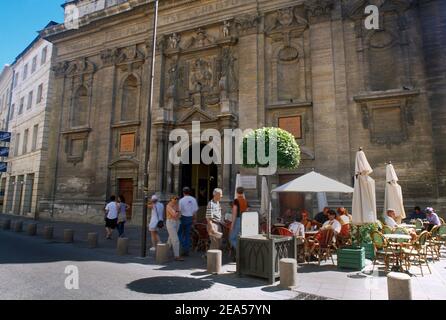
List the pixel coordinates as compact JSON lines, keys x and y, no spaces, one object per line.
{"x":213,"y":217}
{"x":188,"y":209}
{"x":156,"y":220}
{"x":111,"y":217}
{"x":172,"y":225}
{"x":122,"y":217}
{"x":239,"y":206}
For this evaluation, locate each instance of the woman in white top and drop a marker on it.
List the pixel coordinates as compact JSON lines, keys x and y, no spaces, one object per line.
{"x":157,"y":217}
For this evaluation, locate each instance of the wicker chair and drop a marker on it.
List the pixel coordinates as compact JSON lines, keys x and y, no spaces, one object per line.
{"x":419,"y":226}
{"x":433,"y":244}
{"x":323,"y":246}
{"x":200,"y":237}
{"x":381,"y":249}
{"x":281,"y":231}
{"x":416,"y":253}
{"x":387,"y":229}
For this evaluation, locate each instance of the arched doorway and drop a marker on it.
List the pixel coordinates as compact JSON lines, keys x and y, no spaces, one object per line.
{"x":202,"y":179}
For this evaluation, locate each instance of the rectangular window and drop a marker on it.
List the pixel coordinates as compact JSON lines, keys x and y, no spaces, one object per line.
{"x":22,"y":102}
{"x":12,"y":112}
{"x":30,"y":100}
{"x":16,"y":145}
{"x":25,"y":71}
{"x":34,"y":65}
{"x":35,"y":133}
{"x":16,"y":79}
{"x":25,"y":142}
{"x":44,"y":53}
{"x":39,"y":93}
{"x":292,"y":124}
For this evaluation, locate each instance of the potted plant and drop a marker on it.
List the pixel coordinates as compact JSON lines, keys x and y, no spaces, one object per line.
{"x":362,"y":237}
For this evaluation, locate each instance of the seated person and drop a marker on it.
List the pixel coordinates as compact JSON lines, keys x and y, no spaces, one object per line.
{"x":321,"y":217}
{"x":332,"y":222}
{"x":432,"y":217}
{"x":389,"y":218}
{"x":297,"y":228}
{"x":345,"y":219}
{"x":306,"y":221}
{"x":417,"y":213}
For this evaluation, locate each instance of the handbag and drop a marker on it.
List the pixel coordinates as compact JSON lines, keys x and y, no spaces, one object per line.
{"x":160,"y":223}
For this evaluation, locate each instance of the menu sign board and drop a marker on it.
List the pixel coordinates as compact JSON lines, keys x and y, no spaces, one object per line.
{"x":292,"y":124}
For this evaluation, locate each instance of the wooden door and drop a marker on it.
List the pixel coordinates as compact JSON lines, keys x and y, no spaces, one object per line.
{"x":126,"y":190}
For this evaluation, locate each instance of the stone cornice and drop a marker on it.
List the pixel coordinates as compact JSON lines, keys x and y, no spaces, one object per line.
{"x":383,"y":95}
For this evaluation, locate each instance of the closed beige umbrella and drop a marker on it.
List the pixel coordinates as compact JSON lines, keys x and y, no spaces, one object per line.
{"x":393,"y":197}
{"x":265,"y":205}
{"x":364,"y":196}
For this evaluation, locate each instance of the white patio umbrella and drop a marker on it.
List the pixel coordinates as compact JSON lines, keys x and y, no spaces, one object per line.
{"x":364,"y":196}
{"x":265,"y":204}
{"x":393,"y":197}
{"x":314,"y":182}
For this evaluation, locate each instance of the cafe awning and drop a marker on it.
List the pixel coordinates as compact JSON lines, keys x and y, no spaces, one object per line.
{"x":314,"y":182}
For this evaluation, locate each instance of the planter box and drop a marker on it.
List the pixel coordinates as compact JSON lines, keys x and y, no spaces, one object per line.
{"x":351,"y":258}
{"x":369,"y":250}
{"x":258,"y":256}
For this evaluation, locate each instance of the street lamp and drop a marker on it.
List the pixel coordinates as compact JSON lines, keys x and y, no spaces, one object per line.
{"x":148,"y":137}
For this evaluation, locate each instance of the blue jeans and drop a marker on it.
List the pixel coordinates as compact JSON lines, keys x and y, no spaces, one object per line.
{"x":184,"y":233}
{"x":120,"y":228}
{"x":235,"y":233}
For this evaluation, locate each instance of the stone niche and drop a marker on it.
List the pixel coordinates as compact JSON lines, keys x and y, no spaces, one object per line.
{"x":286,"y":57}
{"x":387,"y":115}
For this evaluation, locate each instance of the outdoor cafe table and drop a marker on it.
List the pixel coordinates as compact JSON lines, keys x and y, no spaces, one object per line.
{"x":395,"y":240}
{"x":405,"y":225}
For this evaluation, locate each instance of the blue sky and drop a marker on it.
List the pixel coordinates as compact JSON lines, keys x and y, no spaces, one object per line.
{"x":19,"y":21}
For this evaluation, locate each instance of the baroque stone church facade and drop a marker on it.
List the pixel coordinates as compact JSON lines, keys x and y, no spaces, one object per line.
{"x":309,"y":66}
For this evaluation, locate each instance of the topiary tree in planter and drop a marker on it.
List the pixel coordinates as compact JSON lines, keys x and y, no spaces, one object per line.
{"x":288,"y":151}
{"x":362,"y":237}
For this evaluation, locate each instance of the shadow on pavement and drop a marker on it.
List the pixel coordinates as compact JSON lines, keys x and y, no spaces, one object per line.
{"x":169,"y":285}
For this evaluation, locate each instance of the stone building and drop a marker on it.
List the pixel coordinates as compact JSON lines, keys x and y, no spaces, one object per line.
{"x":29,"y":125}
{"x":6,"y":79}
{"x":310,"y":67}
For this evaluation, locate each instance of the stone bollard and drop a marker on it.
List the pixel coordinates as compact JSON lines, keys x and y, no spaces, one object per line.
{"x":48,"y":232}
{"x":214,"y":261}
{"x":68,"y":236}
{"x":6,"y":224}
{"x":162,"y":253}
{"x":288,"y":273}
{"x":399,"y":286}
{"x":92,"y":240}
{"x":32,"y":229}
{"x":123,"y":246}
{"x":18,"y":226}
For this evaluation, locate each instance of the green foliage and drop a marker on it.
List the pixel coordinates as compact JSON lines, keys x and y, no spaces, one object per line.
{"x":365,"y":231}
{"x":288,"y":151}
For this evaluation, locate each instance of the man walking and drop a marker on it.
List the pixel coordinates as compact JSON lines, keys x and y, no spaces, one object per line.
{"x":188,"y":208}
{"x":213,"y":217}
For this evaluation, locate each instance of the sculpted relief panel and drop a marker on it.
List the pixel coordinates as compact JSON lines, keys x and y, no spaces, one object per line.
{"x":200,"y":70}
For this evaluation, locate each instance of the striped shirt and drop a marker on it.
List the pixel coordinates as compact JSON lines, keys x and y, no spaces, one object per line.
{"x":213,"y":211}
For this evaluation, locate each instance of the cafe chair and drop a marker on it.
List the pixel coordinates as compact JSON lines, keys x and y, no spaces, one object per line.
{"x":281,"y":231}
{"x":419,"y":226}
{"x":200,"y":237}
{"x":387,"y":229}
{"x":433,"y":244}
{"x":324,"y":246}
{"x":382,"y":250}
{"x":416,"y":253}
